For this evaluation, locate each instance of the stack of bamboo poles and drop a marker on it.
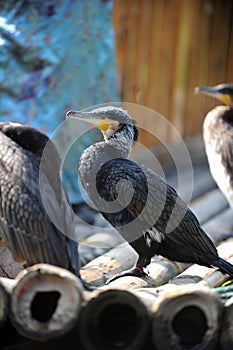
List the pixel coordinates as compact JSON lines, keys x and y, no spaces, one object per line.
{"x":45,"y":302}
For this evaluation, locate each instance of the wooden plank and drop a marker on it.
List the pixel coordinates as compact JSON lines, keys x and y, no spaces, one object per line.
{"x":131,"y":49}
{"x":120,"y":25}
{"x":229,"y":67}
{"x":181,"y":69}
{"x":200,"y":26}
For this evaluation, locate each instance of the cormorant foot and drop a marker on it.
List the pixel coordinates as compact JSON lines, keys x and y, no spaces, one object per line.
{"x":87,"y":286}
{"x":135,"y":272}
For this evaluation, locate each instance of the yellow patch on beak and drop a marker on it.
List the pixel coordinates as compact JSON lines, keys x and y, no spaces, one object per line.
{"x":103,"y":125}
{"x":225,"y":98}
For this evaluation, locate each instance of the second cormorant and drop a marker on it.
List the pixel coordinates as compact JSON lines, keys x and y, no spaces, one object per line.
{"x":218,"y":137}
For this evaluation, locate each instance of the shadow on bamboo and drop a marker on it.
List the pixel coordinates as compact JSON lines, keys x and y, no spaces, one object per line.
{"x":113,"y":319}
{"x":45,"y":302}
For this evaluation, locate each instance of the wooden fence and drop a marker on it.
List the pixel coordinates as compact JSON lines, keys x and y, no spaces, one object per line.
{"x":164,"y":48}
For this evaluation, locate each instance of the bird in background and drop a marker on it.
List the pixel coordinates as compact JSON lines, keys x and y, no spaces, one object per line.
{"x":25,"y":225}
{"x":135,"y":200}
{"x":218,"y":137}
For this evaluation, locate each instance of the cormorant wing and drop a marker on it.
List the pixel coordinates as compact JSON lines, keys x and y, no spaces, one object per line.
{"x":151,"y":202}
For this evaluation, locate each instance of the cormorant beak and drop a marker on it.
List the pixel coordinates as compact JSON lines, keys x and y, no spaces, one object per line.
{"x":213,"y":92}
{"x":98,"y":120}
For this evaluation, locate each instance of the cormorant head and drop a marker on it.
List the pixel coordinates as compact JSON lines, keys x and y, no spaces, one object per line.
{"x":109,"y":119}
{"x":223,"y":92}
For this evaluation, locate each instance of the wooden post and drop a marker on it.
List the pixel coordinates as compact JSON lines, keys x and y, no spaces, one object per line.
{"x":45,"y":302}
{"x":226,"y":336}
{"x":113,"y":319}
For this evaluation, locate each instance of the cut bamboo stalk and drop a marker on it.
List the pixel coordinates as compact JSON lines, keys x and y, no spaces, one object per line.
{"x":117,"y":259}
{"x":8,"y":266}
{"x":226,"y":335}
{"x":186,"y":317}
{"x":114,"y":319}
{"x":160,"y":271}
{"x":97,"y":244}
{"x":209,"y":205}
{"x":220,"y":227}
{"x":45,"y":302}
{"x":4,"y":304}
{"x":8,"y":283}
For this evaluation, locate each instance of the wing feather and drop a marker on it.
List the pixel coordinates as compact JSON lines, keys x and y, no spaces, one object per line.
{"x":151,"y":202}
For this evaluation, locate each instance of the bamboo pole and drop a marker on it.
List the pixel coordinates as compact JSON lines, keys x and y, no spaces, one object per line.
{"x":209,"y":205}
{"x":117,"y":259}
{"x":113,"y":319}
{"x":97,"y":244}
{"x":8,"y":266}
{"x":45,"y":302}
{"x":226,"y":335}
{"x":186,"y":317}
{"x":4,"y":304}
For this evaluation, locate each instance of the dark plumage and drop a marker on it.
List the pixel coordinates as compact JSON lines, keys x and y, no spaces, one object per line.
{"x":147,"y":212}
{"x":218,"y":137}
{"x":24,"y":223}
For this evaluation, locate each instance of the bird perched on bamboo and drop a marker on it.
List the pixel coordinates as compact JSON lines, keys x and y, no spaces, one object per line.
{"x":25,"y":226}
{"x":218,"y":137}
{"x":146,"y":211}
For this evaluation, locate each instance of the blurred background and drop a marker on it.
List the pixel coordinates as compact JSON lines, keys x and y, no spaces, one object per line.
{"x":71,"y":54}
{"x":164,"y":48}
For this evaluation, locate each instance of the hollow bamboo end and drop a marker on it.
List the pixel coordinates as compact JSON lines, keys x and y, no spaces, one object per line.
{"x":114,"y":319}
{"x":226,"y":336}
{"x":187,"y":317}
{"x":45,"y":302}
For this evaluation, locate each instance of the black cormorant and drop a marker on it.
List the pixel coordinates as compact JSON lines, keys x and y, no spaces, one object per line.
{"x":218,"y":137}
{"x":25,"y":226}
{"x":146,"y":211}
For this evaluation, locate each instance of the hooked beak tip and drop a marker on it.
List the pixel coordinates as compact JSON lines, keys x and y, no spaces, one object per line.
{"x":197,"y":89}
{"x":70,"y":114}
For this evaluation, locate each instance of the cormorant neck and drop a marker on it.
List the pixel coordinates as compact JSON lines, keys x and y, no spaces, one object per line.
{"x":117,"y":146}
{"x":122,"y":140}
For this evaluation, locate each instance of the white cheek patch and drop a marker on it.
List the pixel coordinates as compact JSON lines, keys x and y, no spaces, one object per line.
{"x":153,"y":235}
{"x":113,"y":127}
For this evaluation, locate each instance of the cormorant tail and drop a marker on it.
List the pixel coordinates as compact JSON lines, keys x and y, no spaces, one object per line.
{"x":224,"y":266}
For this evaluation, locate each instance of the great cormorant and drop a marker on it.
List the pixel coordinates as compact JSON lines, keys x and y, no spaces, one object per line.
{"x":25,"y":225}
{"x":146,"y":211}
{"x":218,"y":137}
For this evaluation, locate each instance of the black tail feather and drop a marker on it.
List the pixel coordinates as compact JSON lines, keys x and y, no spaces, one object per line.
{"x":224,"y":266}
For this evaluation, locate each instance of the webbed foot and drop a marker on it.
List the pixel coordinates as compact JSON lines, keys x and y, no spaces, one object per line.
{"x":135,"y":272}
